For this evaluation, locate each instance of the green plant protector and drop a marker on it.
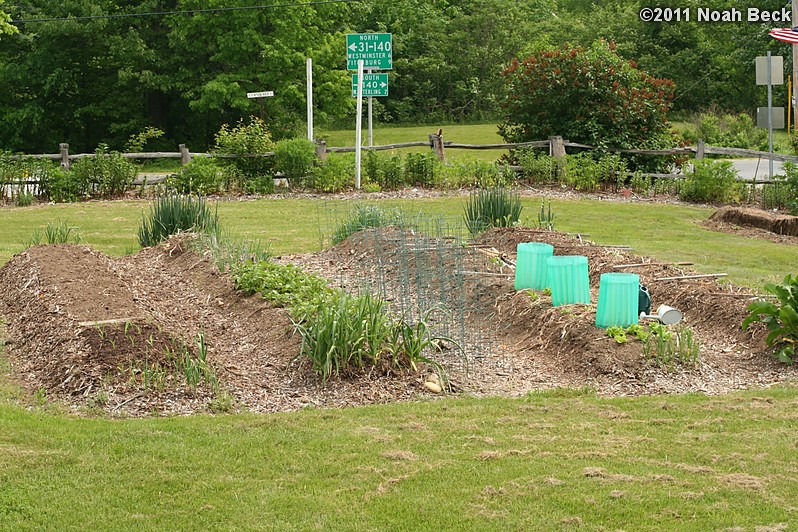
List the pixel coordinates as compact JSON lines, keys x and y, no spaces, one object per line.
{"x":530,"y":265}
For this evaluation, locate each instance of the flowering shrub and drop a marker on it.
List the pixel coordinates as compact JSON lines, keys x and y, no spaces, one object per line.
{"x":587,"y":95}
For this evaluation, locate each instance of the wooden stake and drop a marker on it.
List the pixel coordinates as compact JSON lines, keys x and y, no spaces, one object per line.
{"x":701,"y":276}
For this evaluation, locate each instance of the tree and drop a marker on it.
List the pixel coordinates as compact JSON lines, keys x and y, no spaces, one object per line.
{"x":589,"y":95}
{"x":5,"y":22}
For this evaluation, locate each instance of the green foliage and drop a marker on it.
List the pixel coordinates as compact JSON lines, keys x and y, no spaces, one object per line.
{"x":711,"y":182}
{"x":201,"y":175}
{"x":171,"y":214}
{"x":303,"y":294}
{"x":588,"y":171}
{"x":421,"y":168}
{"x":24,"y":199}
{"x":259,"y":185}
{"x":727,"y":130}
{"x":137,"y":141}
{"x":781,"y":319}
{"x":538,"y":168}
{"x":491,"y":207}
{"x":365,"y":217}
{"x":789,"y":184}
{"x":545,"y":217}
{"x":295,"y":158}
{"x":108,"y":174}
{"x":476,"y":173}
{"x":250,"y":143}
{"x":54,"y":183}
{"x":588,"y":95}
{"x":353,"y":332}
{"x":334,"y":174}
{"x":666,"y":348}
{"x":55,"y":233}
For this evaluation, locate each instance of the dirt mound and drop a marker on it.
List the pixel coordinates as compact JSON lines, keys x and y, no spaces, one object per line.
{"x":163,"y":331}
{"x":780,"y":224}
{"x":124,"y":334}
{"x":538,"y":345}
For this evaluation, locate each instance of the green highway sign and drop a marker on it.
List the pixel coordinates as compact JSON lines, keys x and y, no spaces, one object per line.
{"x":375,"y":49}
{"x":373,"y":85}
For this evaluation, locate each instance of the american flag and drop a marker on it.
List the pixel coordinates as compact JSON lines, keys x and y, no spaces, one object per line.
{"x":789,"y":35}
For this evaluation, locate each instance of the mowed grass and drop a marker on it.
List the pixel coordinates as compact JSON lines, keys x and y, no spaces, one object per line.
{"x":562,"y":459}
{"x":547,"y":461}
{"x":664,"y":231}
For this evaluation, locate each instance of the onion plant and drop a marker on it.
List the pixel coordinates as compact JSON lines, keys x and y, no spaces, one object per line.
{"x":172,"y":213}
{"x":491,"y":207}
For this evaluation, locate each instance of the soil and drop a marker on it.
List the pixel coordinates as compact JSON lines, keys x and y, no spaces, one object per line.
{"x":783,"y":226}
{"x":115,"y":333}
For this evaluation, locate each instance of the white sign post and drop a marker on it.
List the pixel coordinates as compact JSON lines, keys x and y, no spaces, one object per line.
{"x":359,"y":123}
{"x":770,"y":71}
{"x":309,"y":69}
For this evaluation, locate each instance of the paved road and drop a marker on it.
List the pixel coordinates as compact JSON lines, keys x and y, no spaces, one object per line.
{"x":755,"y":168}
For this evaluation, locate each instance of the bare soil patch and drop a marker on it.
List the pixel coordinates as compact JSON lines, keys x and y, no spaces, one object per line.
{"x":88,"y":329}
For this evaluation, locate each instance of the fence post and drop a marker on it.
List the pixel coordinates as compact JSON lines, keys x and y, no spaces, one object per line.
{"x":185,"y":156}
{"x":699,"y":151}
{"x":64,"y":147}
{"x":556,"y":147}
{"x":436,"y":141}
{"x":321,"y":149}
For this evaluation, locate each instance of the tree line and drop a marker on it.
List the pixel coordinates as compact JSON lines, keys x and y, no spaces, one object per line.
{"x":89,"y":72}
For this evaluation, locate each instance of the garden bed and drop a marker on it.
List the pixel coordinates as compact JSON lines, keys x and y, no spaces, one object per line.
{"x":121,"y":334}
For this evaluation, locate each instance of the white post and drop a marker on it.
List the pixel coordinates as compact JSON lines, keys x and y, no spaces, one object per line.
{"x":371,"y":122}
{"x":770,"y":114}
{"x":359,"y":123}
{"x":310,"y":98}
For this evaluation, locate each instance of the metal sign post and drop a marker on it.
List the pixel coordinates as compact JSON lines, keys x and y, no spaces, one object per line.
{"x":770,"y":71}
{"x":359,"y":123}
{"x":309,"y":73}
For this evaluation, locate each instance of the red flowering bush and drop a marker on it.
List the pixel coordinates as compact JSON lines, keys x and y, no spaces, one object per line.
{"x":587,"y":95}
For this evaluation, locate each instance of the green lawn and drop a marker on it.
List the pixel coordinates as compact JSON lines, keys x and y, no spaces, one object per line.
{"x":542,"y":462}
{"x":564,"y":459}
{"x":667,"y":232}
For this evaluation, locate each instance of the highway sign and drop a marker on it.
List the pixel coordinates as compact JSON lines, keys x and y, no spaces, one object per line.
{"x":375,"y":49}
{"x":373,"y":85}
{"x":262,"y":94}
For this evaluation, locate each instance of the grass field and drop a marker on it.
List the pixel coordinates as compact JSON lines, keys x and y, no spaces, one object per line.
{"x":557,"y":460}
{"x":667,"y":232}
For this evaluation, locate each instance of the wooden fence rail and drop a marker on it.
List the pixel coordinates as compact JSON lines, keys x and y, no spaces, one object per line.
{"x":556,"y":146}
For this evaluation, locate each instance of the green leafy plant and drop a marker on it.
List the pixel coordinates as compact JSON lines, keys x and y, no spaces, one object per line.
{"x":172,"y":213}
{"x":247,"y":147}
{"x":789,"y":184}
{"x":617,"y":333}
{"x":538,"y":168}
{"x":200,"y":176}
{"x":711,"y":182}
{"x":545,"y":217}
{"x":780,"y":318}
{"x":108,"y":174}
{"x":491,"y":207}
{"x":665,"y":347}
{"x":421,"y":168}
{"x":295,"y":158}
{"x":334,"y":174}
{"x":303,"y":294}
{"x":55,"y":233}
{"x":137,"y":141}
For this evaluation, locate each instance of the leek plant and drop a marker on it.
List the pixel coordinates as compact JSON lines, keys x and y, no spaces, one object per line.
{"x":172,"y":214}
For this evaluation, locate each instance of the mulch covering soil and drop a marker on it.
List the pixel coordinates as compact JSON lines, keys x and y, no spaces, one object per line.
{"x":89,"y":329}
